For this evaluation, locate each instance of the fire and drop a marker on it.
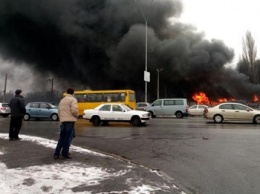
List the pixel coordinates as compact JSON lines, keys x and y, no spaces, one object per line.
{"x":220,"y":100}
{"x":200,"y":98}
{"x":255,"y":98}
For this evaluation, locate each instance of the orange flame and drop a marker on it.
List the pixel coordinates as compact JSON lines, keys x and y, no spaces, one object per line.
{"x":200,"y":98}
{"x":255,"y":98}
{"x":222,"y":100}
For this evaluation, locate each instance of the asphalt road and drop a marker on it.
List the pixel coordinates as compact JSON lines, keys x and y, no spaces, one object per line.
{"x":202,"y":157}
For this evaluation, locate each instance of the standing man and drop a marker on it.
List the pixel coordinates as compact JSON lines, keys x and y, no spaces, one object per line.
{"x":68,"y":115}
{"x":18,"y":110}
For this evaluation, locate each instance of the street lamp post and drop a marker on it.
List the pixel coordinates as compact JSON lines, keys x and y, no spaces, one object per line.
{"x":4,"y":92}
{"x":51,"y":79}
{"x":146,"y":74}
{"x":158,"y":84}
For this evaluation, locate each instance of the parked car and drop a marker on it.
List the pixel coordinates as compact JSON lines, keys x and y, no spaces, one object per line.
{"x":197,"y":110}
{"x":230,"y":111}
{"x":41,"y":110}
{"x":142,"y":105}
{"x":5,"y":110}
{"x":115,"y":112}
{"x":169,"y":107}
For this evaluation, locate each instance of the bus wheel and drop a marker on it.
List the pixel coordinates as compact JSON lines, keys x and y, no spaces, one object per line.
{"x":136,"y":121}
{"x":96,"y":121}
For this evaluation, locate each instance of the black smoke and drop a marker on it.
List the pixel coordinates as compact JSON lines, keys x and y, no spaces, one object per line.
{"x":100,"y":44}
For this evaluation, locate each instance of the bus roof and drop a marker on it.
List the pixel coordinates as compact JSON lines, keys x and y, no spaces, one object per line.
{"x":102,"y":91}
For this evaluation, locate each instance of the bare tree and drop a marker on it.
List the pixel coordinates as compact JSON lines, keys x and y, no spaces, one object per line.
{"x":249,"y":57}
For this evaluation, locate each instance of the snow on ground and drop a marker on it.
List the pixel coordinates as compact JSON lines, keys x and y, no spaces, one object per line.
{"x":57,"y":178}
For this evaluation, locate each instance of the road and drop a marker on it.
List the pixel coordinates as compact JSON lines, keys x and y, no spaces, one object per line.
{"x":202,"y":157}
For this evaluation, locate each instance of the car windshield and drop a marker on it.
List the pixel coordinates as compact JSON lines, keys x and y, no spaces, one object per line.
{"x":53,"y":106}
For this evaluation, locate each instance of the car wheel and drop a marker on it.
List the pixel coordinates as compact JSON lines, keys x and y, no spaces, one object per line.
{"x":218,"y":119}
{"x":26,"y":117}
{"x":256,"y":119}
{"x":54,"y":117}
{"x":96,"y":121}
{"x":179,"y":114}
{"x":136,"y":121}
{"x":152,"y":115}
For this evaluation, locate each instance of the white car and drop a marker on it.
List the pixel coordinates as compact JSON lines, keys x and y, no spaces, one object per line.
{"x":115,"y":112}
{"x":197,"y":110}
{"x":5,"y":110}
{"x":142,"y":105}
{"x":230,"y":111}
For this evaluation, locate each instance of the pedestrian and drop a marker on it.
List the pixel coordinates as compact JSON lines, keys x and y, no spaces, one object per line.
{"x":18,"y":110}
{"x":68,"y":115}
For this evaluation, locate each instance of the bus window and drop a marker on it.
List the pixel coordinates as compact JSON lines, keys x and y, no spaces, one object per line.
{"x":131,"y":97}
{"x":106,"y":97}
{"x":122,"y":97}
{"x":80,"y":97}
{"x":111,"y":97}
{"x":115,"y":97}
{"x":94,"y":97}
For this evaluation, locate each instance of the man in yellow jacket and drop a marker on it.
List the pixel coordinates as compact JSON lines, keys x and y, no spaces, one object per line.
{"x":68,"y":115}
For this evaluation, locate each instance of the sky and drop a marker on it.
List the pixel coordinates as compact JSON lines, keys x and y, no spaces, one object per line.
{"x":61,"y":177}
{"x":224,"y":20}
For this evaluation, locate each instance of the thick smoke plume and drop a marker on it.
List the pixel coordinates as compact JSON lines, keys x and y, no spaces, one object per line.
{"x":100,"y":44}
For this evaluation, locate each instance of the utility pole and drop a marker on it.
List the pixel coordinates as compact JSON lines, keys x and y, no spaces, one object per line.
{"x":158,"y":84}
{"x":4,"y":92}
{"x":51,"y":79}
{"x":146,"y":73}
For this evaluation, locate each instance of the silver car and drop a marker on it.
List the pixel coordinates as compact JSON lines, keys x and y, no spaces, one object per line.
{"x":5,"y":110}
{"x":41,"y":110}
{"x":197,"y":110}
{"x":230,"y":111}
{"x":142,"y":105}
{"x":169,"y":107}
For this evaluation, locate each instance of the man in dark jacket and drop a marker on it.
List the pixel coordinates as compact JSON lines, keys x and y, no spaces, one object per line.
{"x":18,"y":110}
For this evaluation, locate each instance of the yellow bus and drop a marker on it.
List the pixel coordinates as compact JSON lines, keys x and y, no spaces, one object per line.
{"x":89,"y":99}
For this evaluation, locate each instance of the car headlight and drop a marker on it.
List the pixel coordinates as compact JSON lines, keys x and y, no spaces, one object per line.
{"x":146,"y":115}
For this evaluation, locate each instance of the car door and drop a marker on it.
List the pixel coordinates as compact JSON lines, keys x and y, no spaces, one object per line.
{"x":200,"y":109}
{"x":243,"y":112}
{"x":117,"y":112}
{"x":168,"y":106}
{"x":192,"y":110}
{"x":157,"y":107}
{"x":33,"y":109}
{"x":105,"y":112}
{"x":45,"y":110}
{"x":227,"y":111}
